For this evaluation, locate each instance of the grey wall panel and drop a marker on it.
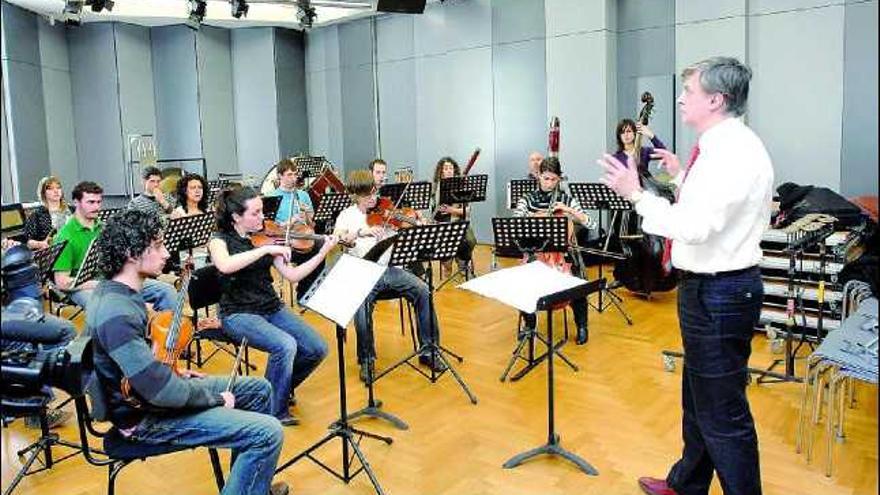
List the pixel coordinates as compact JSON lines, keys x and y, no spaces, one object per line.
{"x":394,"y":37}
{"x":175,"y":76}
{"x":642,"y":14}
{"x":290,"y":81}
{"x":316,"y":93}
{"x":58,"y":100}
{"x":335,"y":130}
{"x":773,"y":6}
{"x":699,"y":10}
{"x":799,"y":122}
{"x":215,"y":97}
{"x":858,"y":173}
{"x":357,"y":97}
{"x":135,"y":72}
{"x":323,"y":94}
{"x":577,"y":91}
{"x":397,"y":113}
{"x":96,"y":112}
{"x":355,"y":43}
{"x":26,"y":107}
{"x":6,"y":180}
{"x":517,"y":20}
{"x":256,"y":119}
{"x":566,"y":17}
{"x":520,"y":111}
{"x":429,"y":30}
{"x":434,"y":123}
{"x":468,"y":25}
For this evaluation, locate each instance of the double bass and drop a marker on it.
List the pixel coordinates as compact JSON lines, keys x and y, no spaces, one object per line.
{"x":642,"y":271}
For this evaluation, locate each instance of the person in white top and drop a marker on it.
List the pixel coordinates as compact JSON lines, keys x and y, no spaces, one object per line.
{"x":352,"y":228}
{"x":715,"y":227}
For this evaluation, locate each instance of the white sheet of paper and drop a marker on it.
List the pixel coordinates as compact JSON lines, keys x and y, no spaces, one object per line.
{"x":344,"y":289}
{"x":521,"y":286}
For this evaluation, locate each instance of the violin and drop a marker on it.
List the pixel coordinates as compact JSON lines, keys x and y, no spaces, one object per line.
{"x":169,"y":332}
{"x":300,"y":236}
{"x":384,"y":213}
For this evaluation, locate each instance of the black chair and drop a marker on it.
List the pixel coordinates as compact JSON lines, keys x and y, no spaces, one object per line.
{"x":35,"y":406}
{"x":204,"y":291}
{"x":118,"y":450}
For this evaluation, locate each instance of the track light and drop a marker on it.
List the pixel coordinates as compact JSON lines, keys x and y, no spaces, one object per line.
{"x":72,"y":13}
{"x":239,"y":8}
{"x":197,"y":11}
{"x":99,"y":5}
{"x":305,"y":13}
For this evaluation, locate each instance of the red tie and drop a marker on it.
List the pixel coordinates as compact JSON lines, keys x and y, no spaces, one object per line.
{"x":667,"y":244}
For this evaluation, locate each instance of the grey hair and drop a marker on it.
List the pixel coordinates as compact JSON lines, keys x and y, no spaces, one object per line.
{"x":725,"y":75}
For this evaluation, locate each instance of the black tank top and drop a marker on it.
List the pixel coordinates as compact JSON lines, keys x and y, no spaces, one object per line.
{"x":250,"y":289}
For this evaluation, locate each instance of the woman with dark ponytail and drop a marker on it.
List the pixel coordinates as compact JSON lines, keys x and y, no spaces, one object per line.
{"x":249,"y":306}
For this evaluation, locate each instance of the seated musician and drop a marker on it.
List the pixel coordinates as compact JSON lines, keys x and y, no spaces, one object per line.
{"x":249,"y":306}
{"x":379,"y":170}
{"x":147,"y":401}
{"x":550,"y":199}
{"x":79,"y":231}
{"x":296,"y":208}
{"x":191,"y":196}
{"x":535,"y":159}
{"x":447,"y":167}
{"x":49,"y":217}
{"x":152,"y":199}
{"x":351,"y":226}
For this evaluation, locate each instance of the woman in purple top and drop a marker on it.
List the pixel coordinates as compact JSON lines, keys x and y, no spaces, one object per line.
{"x":626,"y":138}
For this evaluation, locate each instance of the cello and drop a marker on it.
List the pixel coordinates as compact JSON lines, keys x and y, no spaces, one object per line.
{"x":642,"y":270}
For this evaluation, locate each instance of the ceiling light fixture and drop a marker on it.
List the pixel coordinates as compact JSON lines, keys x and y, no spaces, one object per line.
{"x":305,"y":14}
{"x":197,"y":11}
{"x":99,"y":5}
{"x":239,"y":8}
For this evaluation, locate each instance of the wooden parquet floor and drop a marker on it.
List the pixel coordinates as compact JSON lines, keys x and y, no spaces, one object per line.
{"x":620,"y":412}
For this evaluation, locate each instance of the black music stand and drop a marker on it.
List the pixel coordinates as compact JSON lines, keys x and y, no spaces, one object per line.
{"x":104,"y":215}
{"x":552,"y":446}
{"x":186,"y":233}
{"x":417,"y":195}
{"x":598,"y":196}
{"x":341,"y":428}
{"x":463,"y":189}
{"x":331,"y":204}
{"x":46,"y":258}
{"x":309,"y":166}
{"x":271,"y":205}
{"x":528,"y":236}
{"x":219,"y":183}
{"x":518,"y":188}
{"x":427,"y":243}
{"x":89,"y":268}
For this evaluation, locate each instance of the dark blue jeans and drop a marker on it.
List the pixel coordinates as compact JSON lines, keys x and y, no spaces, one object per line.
{"x":254,"y":437}
{"x":395,"y":282}
{"x":718,"y":316}
{"x":294,"y":348}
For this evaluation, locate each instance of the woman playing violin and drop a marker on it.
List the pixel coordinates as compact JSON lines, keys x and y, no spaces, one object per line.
{"x":550,"y":199}
{"x":447,"y":167}
{"x":249,"y":306}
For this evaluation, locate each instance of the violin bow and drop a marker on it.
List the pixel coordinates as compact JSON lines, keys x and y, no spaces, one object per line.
{"x":236,"y":365}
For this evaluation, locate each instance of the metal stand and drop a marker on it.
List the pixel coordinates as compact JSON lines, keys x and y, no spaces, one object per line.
{"x":525,"y":350}
{"x":552,"y":447}
{"x":351,"y":437}
{"x":428,"y":243}
{"x":597,"y":196}
{"x":373,"y":409}
{"x":464,"y":190}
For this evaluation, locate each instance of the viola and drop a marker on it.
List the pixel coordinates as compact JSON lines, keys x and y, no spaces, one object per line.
{"x":169,"y":332}
{"x":384,"y":213}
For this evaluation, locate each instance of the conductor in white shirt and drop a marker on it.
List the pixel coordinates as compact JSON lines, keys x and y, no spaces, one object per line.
{"x":715,"y":228}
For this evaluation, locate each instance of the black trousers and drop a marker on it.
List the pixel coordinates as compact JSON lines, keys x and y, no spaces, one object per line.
{"x":718,"y":315}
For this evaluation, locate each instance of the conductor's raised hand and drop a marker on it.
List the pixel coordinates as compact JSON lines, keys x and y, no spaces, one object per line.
{"x":669,"y":161}
{"x":620,"y":178}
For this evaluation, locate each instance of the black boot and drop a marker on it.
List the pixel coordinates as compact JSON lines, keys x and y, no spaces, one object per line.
{"x":583,"y":335}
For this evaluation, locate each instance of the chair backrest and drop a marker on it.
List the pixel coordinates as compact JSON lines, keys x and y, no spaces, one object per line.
{"x":204,"y":287}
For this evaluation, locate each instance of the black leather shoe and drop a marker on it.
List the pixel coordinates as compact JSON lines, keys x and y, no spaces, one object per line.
{"x":289,"y":420}
{"x":437,"y":365}
{"x":583,"y":335}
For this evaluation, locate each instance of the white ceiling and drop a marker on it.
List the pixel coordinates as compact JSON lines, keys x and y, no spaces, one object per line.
{"x":261,"y":13}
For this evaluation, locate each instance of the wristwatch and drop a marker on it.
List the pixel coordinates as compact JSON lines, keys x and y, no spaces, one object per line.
{"x":635,"y":196}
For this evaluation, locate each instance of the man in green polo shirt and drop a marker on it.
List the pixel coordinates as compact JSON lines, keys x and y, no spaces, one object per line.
{"x":79,"y":232}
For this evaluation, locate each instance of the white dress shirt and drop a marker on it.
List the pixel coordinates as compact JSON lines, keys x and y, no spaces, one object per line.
{"x":723,"y":204}
{"x":352,"y":219}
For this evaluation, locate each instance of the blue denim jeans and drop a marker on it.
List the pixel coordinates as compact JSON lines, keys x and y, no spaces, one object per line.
{"x":161,"y":295}
{"x":718,"y":316}
{"x":254,"y":437}
{"x":395,"y":282}
{"x":294,"y":348}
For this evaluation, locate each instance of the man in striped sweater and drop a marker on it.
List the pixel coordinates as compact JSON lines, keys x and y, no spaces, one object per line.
{"x":160,"y":406}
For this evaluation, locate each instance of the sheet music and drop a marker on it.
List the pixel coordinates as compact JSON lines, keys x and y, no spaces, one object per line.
{"x":522,"y":286}
{"x":349,"y":282}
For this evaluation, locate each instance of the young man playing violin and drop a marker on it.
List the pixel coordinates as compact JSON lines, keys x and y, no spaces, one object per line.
{"x":549,"y":199}
{"x":296,"y":209}
{"x":352,"y":227}
{"x":249,"y":306}
{"x":161,"y":406}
